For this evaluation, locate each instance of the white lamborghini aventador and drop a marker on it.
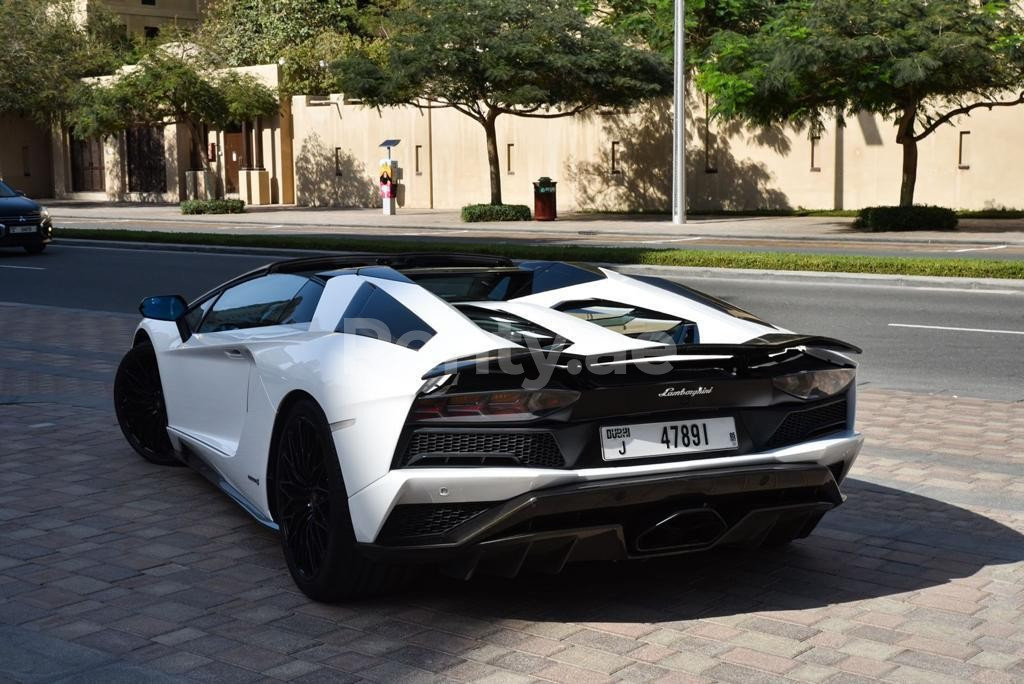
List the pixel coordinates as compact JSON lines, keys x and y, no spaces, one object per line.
{"x":484,"y":415}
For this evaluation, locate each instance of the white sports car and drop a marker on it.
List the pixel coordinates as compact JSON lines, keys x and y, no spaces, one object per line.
{"x":484,"y":415}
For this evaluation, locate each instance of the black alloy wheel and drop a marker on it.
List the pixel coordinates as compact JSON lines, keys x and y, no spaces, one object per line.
{"x":140,"y":408}
{"x":304,"y":497}
{"x":311,"y":509}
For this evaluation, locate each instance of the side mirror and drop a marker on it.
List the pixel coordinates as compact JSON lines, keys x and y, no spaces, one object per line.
{"x":167,"y":308}
{"x":19,"y":193}
{"x":163,"y":308}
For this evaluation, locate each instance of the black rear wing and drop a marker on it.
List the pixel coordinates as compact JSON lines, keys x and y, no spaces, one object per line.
{"x":759,"y":347}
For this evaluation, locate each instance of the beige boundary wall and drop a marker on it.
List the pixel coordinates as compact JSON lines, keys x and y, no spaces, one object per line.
{"x":621,"y":161}
{"x":25,"y":156}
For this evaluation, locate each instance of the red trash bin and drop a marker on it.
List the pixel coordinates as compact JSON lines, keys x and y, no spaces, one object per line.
{"x":544,"y":204}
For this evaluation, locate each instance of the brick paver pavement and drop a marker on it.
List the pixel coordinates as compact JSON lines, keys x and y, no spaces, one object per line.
{"x":115,"y":570}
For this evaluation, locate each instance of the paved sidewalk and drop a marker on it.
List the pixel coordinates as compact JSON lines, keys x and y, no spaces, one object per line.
{"x":112,"y":569}
{"x":306,"y":220}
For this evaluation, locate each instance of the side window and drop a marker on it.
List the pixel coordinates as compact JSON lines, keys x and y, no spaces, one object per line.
{"x":195,"y":316}
{"x":255,"y":303}
{"x":303,"y":305}
{"x":374,"y":313}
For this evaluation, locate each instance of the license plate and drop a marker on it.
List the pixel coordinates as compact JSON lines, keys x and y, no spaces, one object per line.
{"x":17,"y":230}
{"x":649,"y":440}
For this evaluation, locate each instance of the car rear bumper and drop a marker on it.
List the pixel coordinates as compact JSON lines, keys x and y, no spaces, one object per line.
{"x":619,"y":518}
{"x":483,"y":489}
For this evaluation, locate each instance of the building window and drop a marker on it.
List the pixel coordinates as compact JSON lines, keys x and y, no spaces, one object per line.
{"x":416,"y":157}
{"x":815,"y":139}
{"x":337,"y":162}
{"x":509,"y":148}
{"x":963,"y":161}
{"x":151,"y":32}
{"x":26,"y":170}
{"x":616,"y":169}
{"x":710,"y":161}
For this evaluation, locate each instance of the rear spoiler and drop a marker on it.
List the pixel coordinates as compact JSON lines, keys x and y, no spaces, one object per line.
{"x":765,"y":345}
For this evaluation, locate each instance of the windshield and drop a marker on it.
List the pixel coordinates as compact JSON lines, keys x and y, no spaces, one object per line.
{"x":6,"y":191}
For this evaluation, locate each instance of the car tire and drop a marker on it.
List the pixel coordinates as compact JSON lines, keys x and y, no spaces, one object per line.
{"x":313,"y":515}
{"x":140,"y":408}
{"x":35,"y":249}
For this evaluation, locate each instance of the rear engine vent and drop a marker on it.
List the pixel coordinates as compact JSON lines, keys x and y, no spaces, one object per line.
{"x":479,"y":448}
{"x":799,"y":426}
{"x":411,"y":521}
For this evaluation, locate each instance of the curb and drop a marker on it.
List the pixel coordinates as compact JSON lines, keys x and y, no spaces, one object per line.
{"x":518,"y":225}
{"x":981,"y":285}
{"x":992,"y":285}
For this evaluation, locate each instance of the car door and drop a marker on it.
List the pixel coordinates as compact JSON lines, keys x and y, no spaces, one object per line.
{"x":206,"y":378}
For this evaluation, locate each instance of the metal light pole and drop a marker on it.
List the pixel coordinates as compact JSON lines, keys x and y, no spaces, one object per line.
{"x":679,"y":120}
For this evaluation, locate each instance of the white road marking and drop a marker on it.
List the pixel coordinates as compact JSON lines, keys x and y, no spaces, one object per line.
{"x":977,"y":249}
{"x":943,"y":327}
{"x":25,"y":268}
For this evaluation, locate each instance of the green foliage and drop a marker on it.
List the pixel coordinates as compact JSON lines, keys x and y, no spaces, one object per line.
{"x":298,"y":34}
{"x":213,"y":206}
{"x":539,"y":58}
{"x":165,"y":88}
{"x":923,"y":62}
{"x":45,"y":53}
{"x":1001,"y":213}
{"x":831,"y":263}
{"x":472,"y":213}
{"x":917,"y":217}
{"x":651,"y":22}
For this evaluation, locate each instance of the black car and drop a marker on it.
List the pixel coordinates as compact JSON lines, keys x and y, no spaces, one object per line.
{"x":23,"y":222}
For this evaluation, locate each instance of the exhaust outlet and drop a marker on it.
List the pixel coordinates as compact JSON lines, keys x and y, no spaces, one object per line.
{"x":693,"y":528}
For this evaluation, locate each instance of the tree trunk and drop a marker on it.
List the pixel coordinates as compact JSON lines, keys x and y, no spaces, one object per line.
{"x":906,"y":138}
{"x":493,"y":162}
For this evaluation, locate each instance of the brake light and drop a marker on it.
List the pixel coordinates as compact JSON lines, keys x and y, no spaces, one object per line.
{"x":503,"y":405}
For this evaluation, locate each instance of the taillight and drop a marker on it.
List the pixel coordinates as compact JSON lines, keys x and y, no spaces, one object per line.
{"x":502,"y":405}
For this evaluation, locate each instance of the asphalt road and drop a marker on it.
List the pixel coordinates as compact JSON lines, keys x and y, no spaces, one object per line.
{"x":982,"y":356}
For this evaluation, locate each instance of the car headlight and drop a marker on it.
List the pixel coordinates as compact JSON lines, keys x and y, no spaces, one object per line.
{"x":815,"y":384}
{"x":44,"y":212}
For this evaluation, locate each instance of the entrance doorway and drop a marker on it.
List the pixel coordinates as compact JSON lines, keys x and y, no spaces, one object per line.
{"x":87,"y":169}
{"x":233,"y":152}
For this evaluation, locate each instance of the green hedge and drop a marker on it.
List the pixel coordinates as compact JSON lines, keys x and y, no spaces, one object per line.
{"x":917,"y":217}
{"x":471,"y":213}
{"x":215,"y":206}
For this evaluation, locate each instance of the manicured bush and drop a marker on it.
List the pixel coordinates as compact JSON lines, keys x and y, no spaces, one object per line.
{"x":214,"y":206}
{"x":472,"y":213}
{"x":917,"y":217}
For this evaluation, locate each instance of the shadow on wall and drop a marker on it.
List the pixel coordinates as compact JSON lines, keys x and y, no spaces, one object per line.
{"x":325,"y":177}
{"x":635,"y":174}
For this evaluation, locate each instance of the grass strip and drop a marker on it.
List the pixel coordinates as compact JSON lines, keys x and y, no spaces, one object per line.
{"x":829,"y":263}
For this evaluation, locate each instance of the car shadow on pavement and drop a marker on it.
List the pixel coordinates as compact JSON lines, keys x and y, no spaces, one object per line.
{"x":882,"y":542}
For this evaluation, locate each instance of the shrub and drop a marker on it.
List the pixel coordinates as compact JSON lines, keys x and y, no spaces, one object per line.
{"x":213,"y":206}
{"x":917,"y":217}
{"x":472,"y":213}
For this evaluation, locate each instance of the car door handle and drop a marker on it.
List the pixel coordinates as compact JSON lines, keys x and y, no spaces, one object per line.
{"x":234,"y":354}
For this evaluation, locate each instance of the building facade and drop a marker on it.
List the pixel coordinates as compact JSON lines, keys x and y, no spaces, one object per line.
{"x":148,"y":17}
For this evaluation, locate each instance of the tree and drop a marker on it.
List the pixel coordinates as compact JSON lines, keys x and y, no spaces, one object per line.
{"x":47,"y":49}
{"x":651,"y":22}
{"x":301,"y":35}
{"x":165,"y":88}
{"x":921,"y":62}
{"x":532,"y":58}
